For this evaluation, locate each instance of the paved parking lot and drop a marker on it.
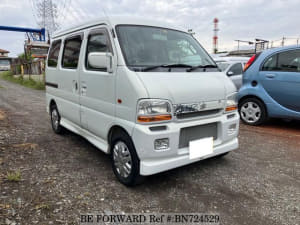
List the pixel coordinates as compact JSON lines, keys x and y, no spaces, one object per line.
{"x":63,"y":176}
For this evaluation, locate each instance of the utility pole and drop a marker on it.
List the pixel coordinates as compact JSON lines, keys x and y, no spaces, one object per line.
{"x":282,"y":42}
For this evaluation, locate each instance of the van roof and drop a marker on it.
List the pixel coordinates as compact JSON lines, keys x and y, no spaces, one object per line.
{"x":114,"y":21}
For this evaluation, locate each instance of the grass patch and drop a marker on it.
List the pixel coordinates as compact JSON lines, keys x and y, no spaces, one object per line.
{"x":30,"y":83}
{"x":42,"y":206}
{"x":13,"y":176}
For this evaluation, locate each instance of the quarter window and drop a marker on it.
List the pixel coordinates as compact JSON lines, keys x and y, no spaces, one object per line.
{"x":98,"y":41}
{"x":270,"y":64}
{"x":53,"y":53}
{"x":71,"y":52}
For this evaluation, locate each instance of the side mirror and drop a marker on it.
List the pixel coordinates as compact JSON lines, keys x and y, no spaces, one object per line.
{"x":101,"y":60}
{"x":229,"y":73}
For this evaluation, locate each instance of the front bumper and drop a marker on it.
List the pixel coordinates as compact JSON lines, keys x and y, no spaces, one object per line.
{"x":154,"y":161}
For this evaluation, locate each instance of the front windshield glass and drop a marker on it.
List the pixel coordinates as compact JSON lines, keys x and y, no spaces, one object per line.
{"x":145,"y":46}
{"x":222,"y":65}
{"x":4,"y":62}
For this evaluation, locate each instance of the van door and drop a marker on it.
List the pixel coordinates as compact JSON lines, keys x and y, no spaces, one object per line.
{"x":68,"y":76}
{"x":97,"y":86}
{"x":280,"y":77}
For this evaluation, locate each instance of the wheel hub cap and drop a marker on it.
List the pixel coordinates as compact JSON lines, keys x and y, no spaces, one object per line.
{"x":250,"y":112}
{"x":122,"y":159}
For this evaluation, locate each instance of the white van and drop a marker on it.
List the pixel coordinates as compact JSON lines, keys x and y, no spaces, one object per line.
{"x":144,"y":92}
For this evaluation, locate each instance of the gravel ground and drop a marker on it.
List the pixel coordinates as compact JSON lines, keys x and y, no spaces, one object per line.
{"x":63,"y":176}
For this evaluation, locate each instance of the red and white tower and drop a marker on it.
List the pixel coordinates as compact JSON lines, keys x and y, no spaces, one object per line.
{"x":215,"y":37}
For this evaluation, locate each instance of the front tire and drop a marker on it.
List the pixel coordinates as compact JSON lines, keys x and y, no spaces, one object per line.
{"x":125,"y":162}
{"x":252,"y":111}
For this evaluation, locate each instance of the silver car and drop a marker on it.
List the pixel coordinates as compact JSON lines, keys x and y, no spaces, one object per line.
{"x":233,"y":68}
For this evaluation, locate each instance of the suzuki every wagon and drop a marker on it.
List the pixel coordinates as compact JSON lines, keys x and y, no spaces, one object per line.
{"x":144,"y":92}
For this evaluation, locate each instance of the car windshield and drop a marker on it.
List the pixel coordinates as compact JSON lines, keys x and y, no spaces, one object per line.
{"x":151,"y":47}
{"x":223,"y":65}
{"x":4,"y":62}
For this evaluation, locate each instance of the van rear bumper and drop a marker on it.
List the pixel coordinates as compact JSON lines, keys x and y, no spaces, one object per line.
{"x":149,"y":167}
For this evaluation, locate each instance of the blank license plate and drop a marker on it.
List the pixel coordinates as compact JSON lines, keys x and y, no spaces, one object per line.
{"x":200,"y":148}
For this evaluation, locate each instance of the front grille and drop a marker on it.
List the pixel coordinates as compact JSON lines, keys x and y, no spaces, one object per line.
{"x":211,"y":112}
{"x":197,"y":132}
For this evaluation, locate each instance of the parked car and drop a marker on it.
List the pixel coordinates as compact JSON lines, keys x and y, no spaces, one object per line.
{"x":144,"y":92}
{"x":233,"y":68}
{"x":271,"y":86}
{"x":4,"y":65}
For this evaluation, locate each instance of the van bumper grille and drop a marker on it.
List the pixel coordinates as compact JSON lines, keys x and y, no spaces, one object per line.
{"x":197,"y":132}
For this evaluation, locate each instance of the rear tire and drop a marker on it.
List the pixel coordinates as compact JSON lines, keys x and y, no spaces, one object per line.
{"x":125,"y":161}
{"x":252,"y":111}
{"x":55,"y":120}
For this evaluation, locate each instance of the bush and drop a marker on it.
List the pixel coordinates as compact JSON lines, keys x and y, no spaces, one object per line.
{"x":38,"y":85}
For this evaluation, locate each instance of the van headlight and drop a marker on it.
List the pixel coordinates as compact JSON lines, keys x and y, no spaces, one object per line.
{"x":153,"y":110}
{"x":231,"y":103}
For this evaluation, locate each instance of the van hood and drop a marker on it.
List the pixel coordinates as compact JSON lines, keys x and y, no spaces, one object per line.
{"x":187,"y":87}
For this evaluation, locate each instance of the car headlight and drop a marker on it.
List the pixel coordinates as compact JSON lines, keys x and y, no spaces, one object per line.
{"x":231,"y":103}
{"x":153,"y":110}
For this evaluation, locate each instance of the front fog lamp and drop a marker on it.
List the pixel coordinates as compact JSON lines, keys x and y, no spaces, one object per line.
{"x":231,"y":103}
{"x":153,"y":110}
{"x":231,"y":129}
{"x":161,"y":144}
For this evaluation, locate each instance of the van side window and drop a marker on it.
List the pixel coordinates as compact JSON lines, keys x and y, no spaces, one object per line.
{"x":71,"y":52}
{"x":289,"y":61}
{"x":53,"y":53}
{"x":98,"y":41}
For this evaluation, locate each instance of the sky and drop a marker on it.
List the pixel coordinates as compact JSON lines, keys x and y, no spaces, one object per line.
{"x":238,"y":19}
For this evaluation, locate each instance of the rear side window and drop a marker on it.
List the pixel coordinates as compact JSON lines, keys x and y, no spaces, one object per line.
{"x":98,"y":41}
{"x":71,"y":52}
{"x":288,"y":61}
{"x":53,"y":53}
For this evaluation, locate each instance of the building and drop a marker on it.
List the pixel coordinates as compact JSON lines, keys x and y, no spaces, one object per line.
{"x":4,"y":60}
{"x":3,"y":53}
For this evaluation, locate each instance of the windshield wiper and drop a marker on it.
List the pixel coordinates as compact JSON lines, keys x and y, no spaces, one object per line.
{"x":201,"y":66}
{"x":166,"y":66}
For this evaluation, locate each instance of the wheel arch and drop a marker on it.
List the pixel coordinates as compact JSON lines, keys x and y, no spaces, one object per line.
{"x":253,"y":96}
{"x":114,"y":130}
{"x":52,"y":102}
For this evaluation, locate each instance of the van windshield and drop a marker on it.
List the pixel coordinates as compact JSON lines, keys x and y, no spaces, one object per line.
{"x":148,"y":48}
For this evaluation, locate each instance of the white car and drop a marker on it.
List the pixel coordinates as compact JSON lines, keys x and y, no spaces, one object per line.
{"x":233,"y":68}
{"x":144,"y":92}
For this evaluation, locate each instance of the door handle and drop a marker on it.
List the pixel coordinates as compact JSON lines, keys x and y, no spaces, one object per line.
{"x":270,"y":75}
{"x":75,"y":86}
